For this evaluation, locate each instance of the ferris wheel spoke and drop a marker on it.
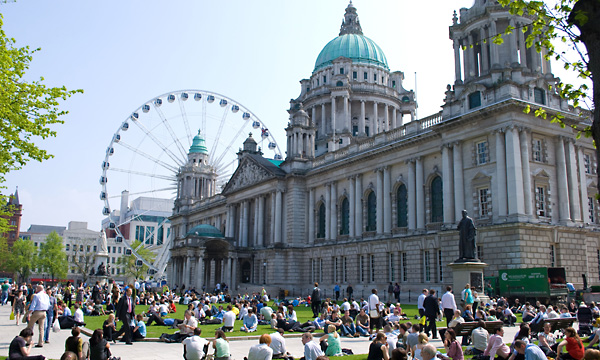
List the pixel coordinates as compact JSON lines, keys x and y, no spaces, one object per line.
{"x":149,"y":157}
{"x":169,"y":129}
{"x":159,"y":143}
{"x":133,"y":172}
{"x":185,"y":121}
{"x":218,"y":135}
{"x":233,"y":140}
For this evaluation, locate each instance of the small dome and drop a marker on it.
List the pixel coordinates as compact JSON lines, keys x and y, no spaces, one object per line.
{"x":205,"y":230}
{"x":358,"y":48}
{"x":198,"y":145}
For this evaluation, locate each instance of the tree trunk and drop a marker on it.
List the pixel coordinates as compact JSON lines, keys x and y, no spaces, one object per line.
{"x":590,"y":36}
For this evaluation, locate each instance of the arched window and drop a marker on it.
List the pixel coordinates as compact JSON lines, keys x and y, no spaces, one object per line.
{"x":345,"y":217}
{"x":321,"y":222}
{"x":401,"y":208}
{"x":372,"y":212}
{"x":437,"y":205}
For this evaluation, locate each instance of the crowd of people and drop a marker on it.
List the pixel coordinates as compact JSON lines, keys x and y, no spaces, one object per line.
{"x":393,"y":335}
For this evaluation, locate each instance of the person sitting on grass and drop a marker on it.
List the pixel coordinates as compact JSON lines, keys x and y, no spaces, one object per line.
{"x":20,"y":347}
{"x":139,"y":331}
{"x":453,"y":348}
{"x":193,"y":347}
{"x":496,"y":346}
{"x":109,"y":328}
{"x":378,"y":350}
{"x":75,"y":344}
{"x":330,"y":342}
{"x":250,"y":321}
{"x":221,"y":346}
{"x":572,"y":343}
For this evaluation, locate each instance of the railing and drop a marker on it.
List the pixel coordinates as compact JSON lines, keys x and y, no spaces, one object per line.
{"x":431,"y":120}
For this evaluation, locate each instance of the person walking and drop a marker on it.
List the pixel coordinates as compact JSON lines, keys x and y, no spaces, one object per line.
{"x":315,"y":300}
{"x":40,"y":303}
{"x":52,"y":310}
{"x":448,"y":304}
{"x":126,"y":313}
{"x":432,"y":309}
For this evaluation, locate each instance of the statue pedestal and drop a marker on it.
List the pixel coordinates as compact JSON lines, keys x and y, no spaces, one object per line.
{"x":468,"y":272}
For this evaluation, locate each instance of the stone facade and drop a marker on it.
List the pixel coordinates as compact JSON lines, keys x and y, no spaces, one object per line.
{"x":366,"y":196}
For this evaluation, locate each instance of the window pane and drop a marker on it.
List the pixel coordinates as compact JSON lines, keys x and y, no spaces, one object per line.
{"x":437,"y":206}
{"x":401,"y":205}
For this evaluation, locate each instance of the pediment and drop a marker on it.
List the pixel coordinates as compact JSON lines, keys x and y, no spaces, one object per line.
{"x":248,"y":173}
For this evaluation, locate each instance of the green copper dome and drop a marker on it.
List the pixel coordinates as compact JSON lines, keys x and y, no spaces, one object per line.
{"x":205,"y":230}
{"x":198,"y":145}
{"x":357,"y":47}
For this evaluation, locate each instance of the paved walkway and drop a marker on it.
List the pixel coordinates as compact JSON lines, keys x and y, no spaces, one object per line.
{"x":164,"y":351}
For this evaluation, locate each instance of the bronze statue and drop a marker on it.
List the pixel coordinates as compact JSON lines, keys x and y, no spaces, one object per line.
{"x":101,"y":269}
{"x":467,"y":232}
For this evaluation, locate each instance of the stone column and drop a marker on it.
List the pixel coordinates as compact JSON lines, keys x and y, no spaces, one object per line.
{"x":200,"y":272}
{"x":375,"y":121}
{"x":311,"y":216}
{"x":522,"y":46}
{"x":328,"y":202}
{"x":573,"y":182}
{"x":347,"y":121}
{"x":527,"y":189}
{"x":255,"y":223}
{"x":233,"y":285}
{"x":514,"y":172}
{"x":188,"y":270}
{"x":500,"y":193}
{"x":448,"y":186}
{"x":512,"y":42}
{"x":333,"y":119}
{"x":261,"y":221}
{"x":387,"y":201}
{"x":379,"y":197}
{"x":394,"y":117}
{"x":323,"y":121}
{"x":412,"y":203}
{"x":459,"y":193}
{"x":313,"y":116}
{"x":278,"y":216}
{"x":358,"y":217}
{"x":457,"y":69}
{"x":361,"y":120}
{"x":246,"y":222}
{"x":272,"y":217}
{"x":386,"y":126}
{"x":333,"y":227}
{"x":494,"y":49}
{"x":469,"y":59}
{"x":229,"y":221}
{"x":420,"y":195}
{"x":583,"y":186}
{"x":484,"y":52}
{"x":563,"y":190}
{"x":352,"y":206}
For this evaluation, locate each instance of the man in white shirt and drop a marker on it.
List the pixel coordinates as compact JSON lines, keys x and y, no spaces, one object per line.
{"x":78,"y":314}
{"x":375,"y":318}
{"x":40,"y":304}
{"x":266,"y":312}
{"x":189,"y":324}
{"x":228,"y":319}
{"x":193,"y":347}
{"x":345,"y":305}
{"x":278,"y":345}
{"x":551,"y":313}
{"x":448,"y":304}
{"x":311,"y":350}
{"x":394,"y":317}
{"x":420,"y":300}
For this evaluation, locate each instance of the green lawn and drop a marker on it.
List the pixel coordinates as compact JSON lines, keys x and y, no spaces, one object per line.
{"x":304,"y":314}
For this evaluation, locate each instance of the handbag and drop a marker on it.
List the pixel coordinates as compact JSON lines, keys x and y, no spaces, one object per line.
{"x":12,"y":315}
{"x":374,"y":313}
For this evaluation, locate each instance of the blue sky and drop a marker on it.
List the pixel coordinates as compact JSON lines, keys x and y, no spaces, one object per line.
{"x":125,"y":53}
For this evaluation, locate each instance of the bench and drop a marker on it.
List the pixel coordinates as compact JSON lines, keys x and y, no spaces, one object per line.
{"x":466,"y":328}
{"x":557,"y":324}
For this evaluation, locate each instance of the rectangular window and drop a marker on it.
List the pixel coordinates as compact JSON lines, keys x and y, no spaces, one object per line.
{"x":354,"y":130}
{"x":404,"y":268}
{"x":149,"y":235}
{"x":440,"y":269}
{"x":394,"y":84}
{"x":426,"y":266}
{"x":67,"y":247}
{"x":539,"y":96}
{"x":591,"y":212}
{"x":484,"y":202}
{"x":139,"y":233}
{"x":552,"y":256}
{"x":391,"y":268}
{"x":95,"y":248}
{"x":112,"y":271}
{"x":118,"y":271}
{"x":483,"y":153}
{"x":119,"y":250}
{"x":354,"y":75}
{"x":374,"y":77}
{"x":587,"y":163}
{"x":81,"y":248}
{"x":372,"y":263}
{"x":324,"y":79}
{"x":345,"y":270}
{"x":537,"y":150}
{"x":366,"y":75}
{"x":342,"y":71}
{"x":475,"y":100}
{"x":112,"y":260}
{"x":479,"y":250}
{"x":114,"y":249}
{"x":540,"y":201}
{"x":317,"y":82}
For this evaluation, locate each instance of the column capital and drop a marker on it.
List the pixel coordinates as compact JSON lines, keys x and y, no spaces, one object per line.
{"x":362,"y":101}
{"x":524,"y":129}
{"x":498,"y":131}
{"x":456,"y":143}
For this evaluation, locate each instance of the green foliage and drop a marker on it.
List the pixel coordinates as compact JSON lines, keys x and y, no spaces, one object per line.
{"x":4,"y":253}
{"x":52,"y":257}
{"x":128,"y":264}
{"x":27,"y":110}
{"x":22,"y":259}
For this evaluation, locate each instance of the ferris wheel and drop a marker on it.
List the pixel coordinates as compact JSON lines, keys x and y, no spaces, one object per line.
{"x":148,"y":148}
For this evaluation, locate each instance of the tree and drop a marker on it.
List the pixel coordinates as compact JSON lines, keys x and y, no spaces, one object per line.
{"x":52,"y":257}
{"x":83,"y":259}
{"x":27,"y":109}
{"x":129,"y":263}
{"x":574,"y":22}
{"x":22,"y":259}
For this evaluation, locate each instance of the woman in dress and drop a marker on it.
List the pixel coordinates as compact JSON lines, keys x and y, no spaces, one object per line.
{"x":19,"y":305}
{"x":330,"y":342}
{"x":378,"y":350}
{"x":453,"y":348}
{"x":221,"y":346}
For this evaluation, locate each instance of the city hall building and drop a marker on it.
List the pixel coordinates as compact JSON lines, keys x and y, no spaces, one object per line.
{"x":370,"y":194}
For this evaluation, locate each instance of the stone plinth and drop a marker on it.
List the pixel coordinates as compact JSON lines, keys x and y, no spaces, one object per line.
{"x":468,"y":272}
